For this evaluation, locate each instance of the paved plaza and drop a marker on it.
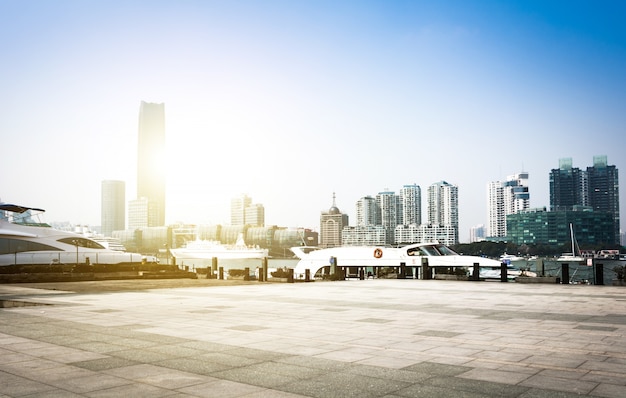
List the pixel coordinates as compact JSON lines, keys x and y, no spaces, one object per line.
{"x":372,"y":338}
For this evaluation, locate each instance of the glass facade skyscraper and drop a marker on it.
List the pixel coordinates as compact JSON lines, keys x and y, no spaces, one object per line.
{"x":151,"y":161}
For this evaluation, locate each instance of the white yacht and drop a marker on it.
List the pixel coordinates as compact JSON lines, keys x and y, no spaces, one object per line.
{"x":24,"y":240}
{"x":314,"y":259}
{"x":207,"y":249}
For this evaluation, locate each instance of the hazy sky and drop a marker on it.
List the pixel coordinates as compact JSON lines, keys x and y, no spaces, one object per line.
{"x":290,"y":101}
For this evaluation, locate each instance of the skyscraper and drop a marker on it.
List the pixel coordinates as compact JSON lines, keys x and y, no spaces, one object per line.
{"x":596,"y":187}
{"x":504,"y":198}
{"x":603,"y":190}
{"x":113,"y":206}
{"x":151,"y":161}
{"x":390,"y":215}
{"x":443,"y":207}
{"x":411,"y":199}
{"x":568,"y":186}
{"x":366,"y":211}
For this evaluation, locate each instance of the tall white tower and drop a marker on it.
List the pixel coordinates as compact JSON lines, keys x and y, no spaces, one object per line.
{"x":411,"y":198}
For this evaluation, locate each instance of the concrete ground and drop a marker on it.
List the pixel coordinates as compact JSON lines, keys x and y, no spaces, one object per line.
{"x":372,"y":338}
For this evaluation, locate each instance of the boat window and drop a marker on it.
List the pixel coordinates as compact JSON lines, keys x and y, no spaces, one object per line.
{"x":11,"y":246}
{"x":82,"y":242}
{"x":430,"y":251}
{"x":414,"y":251}
{"x":446,"y":251}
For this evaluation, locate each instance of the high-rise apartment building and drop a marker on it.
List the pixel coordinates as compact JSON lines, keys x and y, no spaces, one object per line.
{"x":113,"y":206}
{"x":255,"y":215}
{"x":504,"y":198}
{"x":366,"y":211}
{"x":411,"y":200}
{"x":443,"y":207}
{"x":390,"y":213}
{"x":151,"y":161}
{"x":332,"y":223}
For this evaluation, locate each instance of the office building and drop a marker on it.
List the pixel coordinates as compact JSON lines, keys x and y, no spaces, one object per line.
{"x":151,"y":162}
{"x":332,"y":223}
{"x":238,"y":207}
{"x":596,"y":187}
{"x":568,"y":186}
{"x":244,"y":212}
{"x":541,"y":227}
{"x":112,"y":207}
{"x":603,"y":190}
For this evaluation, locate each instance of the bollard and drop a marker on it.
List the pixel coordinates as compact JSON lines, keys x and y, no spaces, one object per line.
{"x":402,"y":273}
{"x":504,"y":273}
{"x":246,"y":276}
{"x":426,"y":275}
{"x":361,"y":274}
{"x":476,"y":272}
{"x":289,"y":275}
{"x":599,"y":274}
{"x":565,"y":274}
{"x":264,"y":270}
{"x":539,"y":267}
{"x":213,"y":267}
{"x":221,"y":273}
{"x":307,"y":275}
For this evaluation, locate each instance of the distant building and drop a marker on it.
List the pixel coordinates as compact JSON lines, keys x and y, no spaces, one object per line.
{"x":426,"y":233}
{"x":597,"y":187}
{"x":364,"y":235}
{"x":366,"y":212}
{"x":332,"y":223}
{"x":541,"y":227}
{"x":390,"y":213}
{"x":244,"y":212}
{"x":568,"y":186}
{"x":142,"y":212}
{"x":238,"y":207}
{"x":603,"y":190}
{"x":411,"y":201}
{"x":477,"y":233}
{"x":151,"y":162}
{"x":504,"y":198}
{"x":443,"y":209}
{"x":113,"y":207}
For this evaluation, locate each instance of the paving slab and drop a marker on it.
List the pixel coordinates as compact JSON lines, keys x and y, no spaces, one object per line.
{"x":372,"y":338}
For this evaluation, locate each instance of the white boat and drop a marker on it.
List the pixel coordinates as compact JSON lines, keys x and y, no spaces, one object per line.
{"x":25,"y":240}
{"x":208,"y":249}
{"x":511,"y":271}
{"x":438,"y":255}
{"x":574,"y":256}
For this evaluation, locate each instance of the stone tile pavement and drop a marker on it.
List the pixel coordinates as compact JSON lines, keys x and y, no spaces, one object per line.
{"x":373,"y":338}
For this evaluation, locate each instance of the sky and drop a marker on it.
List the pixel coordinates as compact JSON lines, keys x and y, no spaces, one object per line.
{"x":292,"y":101}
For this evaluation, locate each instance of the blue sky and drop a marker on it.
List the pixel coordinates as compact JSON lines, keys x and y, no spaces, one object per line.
{"x":290,"y":101}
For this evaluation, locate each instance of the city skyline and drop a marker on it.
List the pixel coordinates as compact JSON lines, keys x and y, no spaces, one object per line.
{"x":291,"y":102}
